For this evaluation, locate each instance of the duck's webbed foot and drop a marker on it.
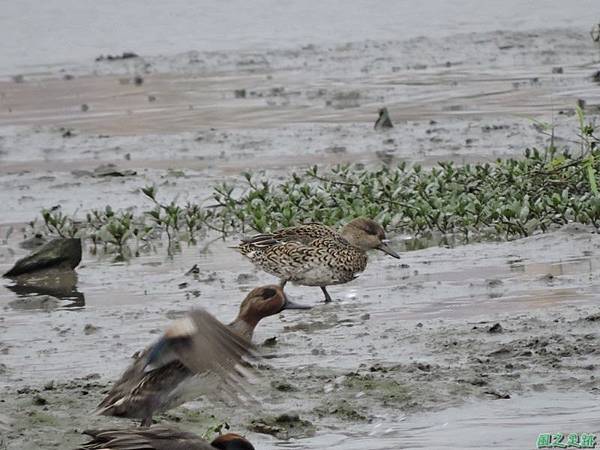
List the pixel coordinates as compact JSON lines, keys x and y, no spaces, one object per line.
{"x":146,"y":422}
{"x":327,"y":296}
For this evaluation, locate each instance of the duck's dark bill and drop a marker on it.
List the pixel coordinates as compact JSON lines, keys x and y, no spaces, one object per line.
{"x":386,"y":249}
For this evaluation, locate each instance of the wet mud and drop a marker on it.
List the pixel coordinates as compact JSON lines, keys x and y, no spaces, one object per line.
{"x":440,"y":349}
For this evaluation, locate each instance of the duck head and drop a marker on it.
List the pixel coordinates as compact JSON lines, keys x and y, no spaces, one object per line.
{"x":231,"y":441}
{"x":261,"y":302}
{"x":367,"y":234}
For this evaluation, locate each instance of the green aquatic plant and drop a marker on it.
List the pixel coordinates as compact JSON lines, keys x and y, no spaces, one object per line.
{"x":506,"y":199}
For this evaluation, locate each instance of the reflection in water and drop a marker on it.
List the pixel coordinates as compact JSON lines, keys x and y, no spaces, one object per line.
{"x":45,"y":290}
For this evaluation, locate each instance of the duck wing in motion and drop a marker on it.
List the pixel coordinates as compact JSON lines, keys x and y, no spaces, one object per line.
{"x":197,"y":354}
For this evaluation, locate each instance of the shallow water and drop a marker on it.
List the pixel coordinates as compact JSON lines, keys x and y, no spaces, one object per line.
{"x":71,"y":31}
{"x":504,"y":424}
{"x":425,"y":285}
{"x":462,"y":92}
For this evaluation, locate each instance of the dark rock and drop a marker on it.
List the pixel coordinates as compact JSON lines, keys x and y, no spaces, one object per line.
{"x":90,"y":329}
{"x":383,"y":121}
{"x":270,"y":342}
{"x":240,"y":93}
{"x":85,"y":107}
{"x":498,"y":395}
{"x":283,"y":386}
{"x":62,"y":253}
{"x":138,"y":80}
{"x":124,"y":55}
{"x":66,"y":132}
{"x":557,"y":70}
{"x":39,"y":400}
{"x":285,"y":426}
{"x":194,"y":270}
{"x":110,"y":170}
{"x":496,"y":328}
{"x":33,"y":242}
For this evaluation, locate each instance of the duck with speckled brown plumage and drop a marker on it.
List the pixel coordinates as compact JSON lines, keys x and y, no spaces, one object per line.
{"x":316,"y":255}
{"x":196,"y":356}
{"x":160,"y":438}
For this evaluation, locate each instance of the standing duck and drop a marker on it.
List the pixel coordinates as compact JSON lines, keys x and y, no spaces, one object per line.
{"x":196,"y":355}
{"x":316,"y":255}
{"x":160,"y":438}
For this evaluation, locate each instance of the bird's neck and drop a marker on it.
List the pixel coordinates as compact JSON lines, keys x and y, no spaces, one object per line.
{"x":244,"y":326}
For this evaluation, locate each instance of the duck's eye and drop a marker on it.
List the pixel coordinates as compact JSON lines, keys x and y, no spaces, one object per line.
{"x":268,"y":293}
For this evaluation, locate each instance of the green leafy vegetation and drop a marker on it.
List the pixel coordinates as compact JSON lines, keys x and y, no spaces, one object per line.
{"x":506,"y":199}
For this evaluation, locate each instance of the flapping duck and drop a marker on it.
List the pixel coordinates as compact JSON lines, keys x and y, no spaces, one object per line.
{"x":197,"y":355}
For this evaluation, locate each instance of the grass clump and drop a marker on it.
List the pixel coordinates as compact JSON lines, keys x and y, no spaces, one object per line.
{"x":509,"y":198}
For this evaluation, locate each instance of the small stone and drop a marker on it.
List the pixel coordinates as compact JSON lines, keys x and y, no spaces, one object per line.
{"x":498,"y":395}
{"x":270,"y":342}
{"x":85,"y":107}
{"x":287,"y":418}
{"x":194,"y":270}
{"x":90,"y":329}
{"x":283,"y":386}
{"x":593,"y":317}
{"x":39,"y":400}
{"x":383,"y":121}
{"x":557,"y":70}
{"x":496,"y":328}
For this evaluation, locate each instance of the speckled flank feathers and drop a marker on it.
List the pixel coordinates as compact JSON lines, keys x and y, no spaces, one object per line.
{"x":316,"y":255}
